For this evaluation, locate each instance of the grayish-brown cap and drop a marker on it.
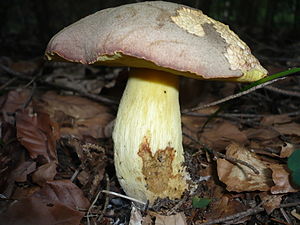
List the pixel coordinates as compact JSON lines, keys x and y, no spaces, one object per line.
{"x":158,"y":35}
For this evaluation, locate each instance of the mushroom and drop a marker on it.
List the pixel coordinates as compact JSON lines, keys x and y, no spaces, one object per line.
{"x":159,"y":41}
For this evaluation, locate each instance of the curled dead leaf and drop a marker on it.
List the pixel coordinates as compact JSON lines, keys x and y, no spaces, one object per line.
{"x":270,"y":202}
{"x":37,"y":133}
{"x":288,"y":128}
{"x":44,"y":173}
{"x":56,"y":203}
{"x":76,"y":116}
{"x":241,"y":178}
{"x":281,"y":178}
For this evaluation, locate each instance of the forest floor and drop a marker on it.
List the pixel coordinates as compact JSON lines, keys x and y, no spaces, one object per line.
{"x":56,"y":150}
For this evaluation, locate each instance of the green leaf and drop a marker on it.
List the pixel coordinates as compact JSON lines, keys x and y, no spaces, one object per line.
{"x":200,"y":202}
{"x":294,"y":161}
{"x":296,"y":177}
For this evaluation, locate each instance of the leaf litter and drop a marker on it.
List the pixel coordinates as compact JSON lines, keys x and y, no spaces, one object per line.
{"x":56,"y":156}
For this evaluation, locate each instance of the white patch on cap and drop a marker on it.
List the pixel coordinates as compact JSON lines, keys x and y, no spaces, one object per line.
{"x":237,"y":52}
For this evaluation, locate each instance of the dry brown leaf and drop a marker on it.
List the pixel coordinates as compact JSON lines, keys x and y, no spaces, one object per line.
{"x":295,"y":214}
{"x":20,"y":173}
{"x":37,"y":133}
{"x":261,"y":133}
{"x":76,"y":115}
{"x":15,"y":100}
{"x":26,"y":67}
{"x":136,"y":217}
{"x":270,"y":202}
{"x":225,"y":206}
{"x":56,"y":203}
{"x":223,"y":134}
{"x":177,"y":219}
{"x":286,"y":150}
{"x":74,"y":106}
{"x":241,"y":178}
{"x":44,"y":173}
{"x":24,"y":192}
{"x":94,"y":127}
{"x":275,"y":119}
{"x":281,"y":178}
{"x":288,"y":129}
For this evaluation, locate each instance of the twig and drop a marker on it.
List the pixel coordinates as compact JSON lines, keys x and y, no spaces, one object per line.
{"x":285,"y":215}
{"x":106,"y":199}
{"x":220,"y":155}
{"x":173,"y":210}
{"x":241,"y":115}
{"x":236,"y":161}
{"x":8,"y":83}
{"x":232,"y":96}
{"x":124,"y":196}
{"x":240,"y":215}
{"x":248,"y":212}
{"x":284,"y":92}
{"x":80,"y":92}
{"x":91,"y":206}
{"x":30,"y":97}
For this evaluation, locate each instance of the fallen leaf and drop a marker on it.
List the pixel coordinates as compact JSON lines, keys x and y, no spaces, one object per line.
{"x":286,"y":150}
{"x":37,"y":133}
{"x":225,"y":206}
{"x":94,"y":127}
{"x":76,"y":116}
{"x":33,"y":210}
{"x":288,"y":129}
{"x":177,"y":219}
{"x":44,"y":173}
{"x":26,"y":67}
{"x":223,"y":134}
{"x":270,"y":202}
{"x":275,"y":119}
{"x":56,"y":203}
{"x":15,"y":100}
{"x":136,"y":217}
{"x":200,"y":202}
{"x":74,"y":106}
{"x":241,"y":178}
{"x":20,"y":173}
{"x":281,"y":178}
{"x":261,"y":133}
{"x":24,"y":192}
{"x":295,"y":214}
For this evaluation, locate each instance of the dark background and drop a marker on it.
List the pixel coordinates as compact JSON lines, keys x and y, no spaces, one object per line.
{"x":270,"y":27}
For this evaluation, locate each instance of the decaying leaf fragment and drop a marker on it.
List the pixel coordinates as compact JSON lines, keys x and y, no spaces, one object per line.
{"x":241,"y":178}
{"x":57,"y":202}
{"x":281,"y":178}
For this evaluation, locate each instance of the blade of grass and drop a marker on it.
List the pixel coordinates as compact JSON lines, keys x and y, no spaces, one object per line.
{"x":247,"y":89}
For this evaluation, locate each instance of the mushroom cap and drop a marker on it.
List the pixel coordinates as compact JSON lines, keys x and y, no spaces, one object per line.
{"x":157,"y":35}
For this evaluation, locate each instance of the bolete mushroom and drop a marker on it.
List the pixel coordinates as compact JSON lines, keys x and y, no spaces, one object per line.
{"x":160,"y":40}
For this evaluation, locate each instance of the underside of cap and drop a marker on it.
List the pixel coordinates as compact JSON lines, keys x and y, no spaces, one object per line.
{"x":158,"y":35}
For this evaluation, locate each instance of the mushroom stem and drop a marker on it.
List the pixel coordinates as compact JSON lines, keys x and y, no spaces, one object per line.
{"x":148,"y":139}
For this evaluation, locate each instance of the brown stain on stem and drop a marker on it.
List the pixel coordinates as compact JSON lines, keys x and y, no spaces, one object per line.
{"x":157,"y":169}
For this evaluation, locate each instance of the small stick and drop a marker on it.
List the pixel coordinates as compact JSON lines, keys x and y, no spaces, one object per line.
{"x":220,"y":155}
{"x":283,"y":92}
{"x":106,"y":199}
{"x":232,"y":96}
{"x":8,"y":83}
{"x":124,"y":196}
{"x":248,"y":212}
{"x":240,"y":215}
